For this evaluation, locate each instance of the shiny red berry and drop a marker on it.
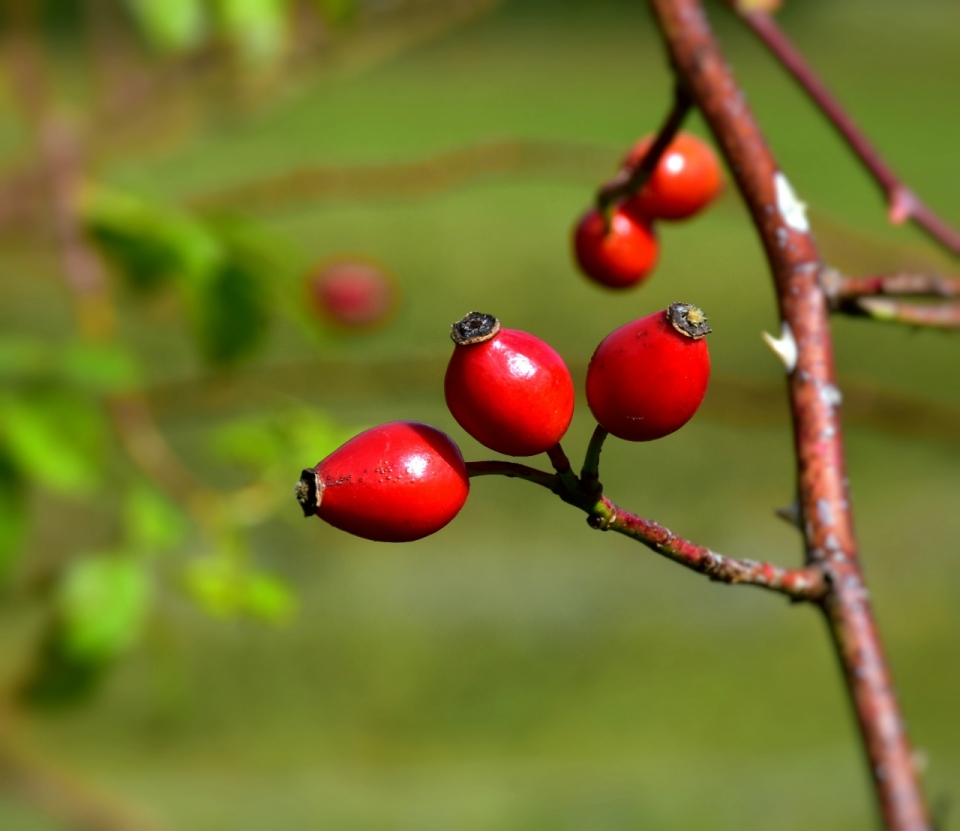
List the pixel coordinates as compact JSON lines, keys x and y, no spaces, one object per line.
{"x":617,"y":256}
{"x":648,"y":378}
{"x":352,"y":294}
{"x":393,"y":483}
{"x":686,"y":179}
{"x":508,"y":389}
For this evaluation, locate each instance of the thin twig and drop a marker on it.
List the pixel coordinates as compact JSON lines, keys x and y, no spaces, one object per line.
{"x":630,"y":179}
{"x":561,"y":464}
{"x":902,"y":203}
{"x":798,"y":583}
{"x":901,"y":284}
{"x":889,"y":310}
{"x":806,"y":583}
{"x":513,"y":470}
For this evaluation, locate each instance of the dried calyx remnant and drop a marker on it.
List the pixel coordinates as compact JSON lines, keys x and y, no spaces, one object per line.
{"x":688,"y":320}
{"x":476,"y":327}
{"x":309,"y":491}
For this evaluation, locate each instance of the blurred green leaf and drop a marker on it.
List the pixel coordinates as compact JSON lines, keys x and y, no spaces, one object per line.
{"x":151,"y":244}
{"x":336,"y":11}
{"x":54,"y":437}
{"x":103,"y":601}
{"x":257,"y":28}
{"x":260,"y":442}
{"x":13,"y":512}
{"x":225,"y":587}
{"x":60,"y":678}
{"x":230,"y":313}
{"x":153,"y":522}
{"x":253,"y":442}
{"x":101,"y":367}
{"x":172,"y":25}
{"x":269,"y":598}
{"x":23,"y":357}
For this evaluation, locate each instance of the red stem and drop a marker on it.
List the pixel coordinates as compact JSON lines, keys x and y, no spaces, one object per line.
{"x":630,"y":179}
{"x":822,"y":486}
{"x":932,"y":315}
{"x":903,"y":203}
{"x":840,"y":288}
{"x":798,"y":583}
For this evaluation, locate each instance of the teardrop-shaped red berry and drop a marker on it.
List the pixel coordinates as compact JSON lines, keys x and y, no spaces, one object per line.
{"x":507,"y":388}
{"x":648,"y":378}
{"x":398,"y":482}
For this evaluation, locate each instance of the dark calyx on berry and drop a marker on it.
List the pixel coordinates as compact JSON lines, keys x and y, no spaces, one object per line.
{"x":309,"y":491}
{"x":688,"y":320}
{"x":476,"y":327}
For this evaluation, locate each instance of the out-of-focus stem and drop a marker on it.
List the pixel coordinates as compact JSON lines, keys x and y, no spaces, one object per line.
{"x":840,"y":288}
{"x":629,"y":180}
{"x":903,"y":204}
{"x":889,"y":310}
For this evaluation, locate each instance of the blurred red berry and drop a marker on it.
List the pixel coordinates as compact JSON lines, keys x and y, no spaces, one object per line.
{"x":508,"y":389}
{"x":648,"y":378}
{"x":619,"y":256}
{"x":686,"y":179}
{"x":398,"y":482}
{"x":353,"y":294}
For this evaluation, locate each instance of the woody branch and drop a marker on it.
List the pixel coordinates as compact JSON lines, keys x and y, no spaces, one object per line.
{"x":823,"y":497}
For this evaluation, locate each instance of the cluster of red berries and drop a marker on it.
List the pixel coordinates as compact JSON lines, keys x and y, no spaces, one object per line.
{"x":513,"y":393}
{"x":619,"y":249}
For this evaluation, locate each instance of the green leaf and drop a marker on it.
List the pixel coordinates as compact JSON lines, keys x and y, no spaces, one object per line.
{"x":13,"y":512}
{"x":153,"y":522}
{"x":224,"y":587}
{"x":151,"y":244}
{"x":103,"y":601}
{"x":257,"y":28}
{"x":101,"y":367}
{"x":54,"y":438}
{"x":261,"y":442}
{"x":269,"y":598}
{"x":59,"y":678}
{"x":170,"y":25}
{"x":230,"y":314}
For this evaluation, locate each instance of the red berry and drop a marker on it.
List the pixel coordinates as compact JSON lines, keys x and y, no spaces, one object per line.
{"x":508,"y":389}
{"x":353,"y":294}
{"x":618,"y":256}
{"x":393,"y":483}
{"x":686,"y":179}
{"x":647,"y":378}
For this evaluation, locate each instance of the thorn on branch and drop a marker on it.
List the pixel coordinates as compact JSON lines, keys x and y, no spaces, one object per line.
{"x":784,"y":347}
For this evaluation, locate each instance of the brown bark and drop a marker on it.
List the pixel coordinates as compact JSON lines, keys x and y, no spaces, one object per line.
{"x":821,"y":477}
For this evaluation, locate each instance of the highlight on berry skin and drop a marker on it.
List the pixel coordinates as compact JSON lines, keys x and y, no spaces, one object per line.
{"x":507,"y":388}
{"x":648,"y":378}
{"x":685,"y":181}
{"x":398,"y":482}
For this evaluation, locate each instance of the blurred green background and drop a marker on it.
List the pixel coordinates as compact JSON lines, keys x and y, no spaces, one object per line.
{"x":203,"y":658}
